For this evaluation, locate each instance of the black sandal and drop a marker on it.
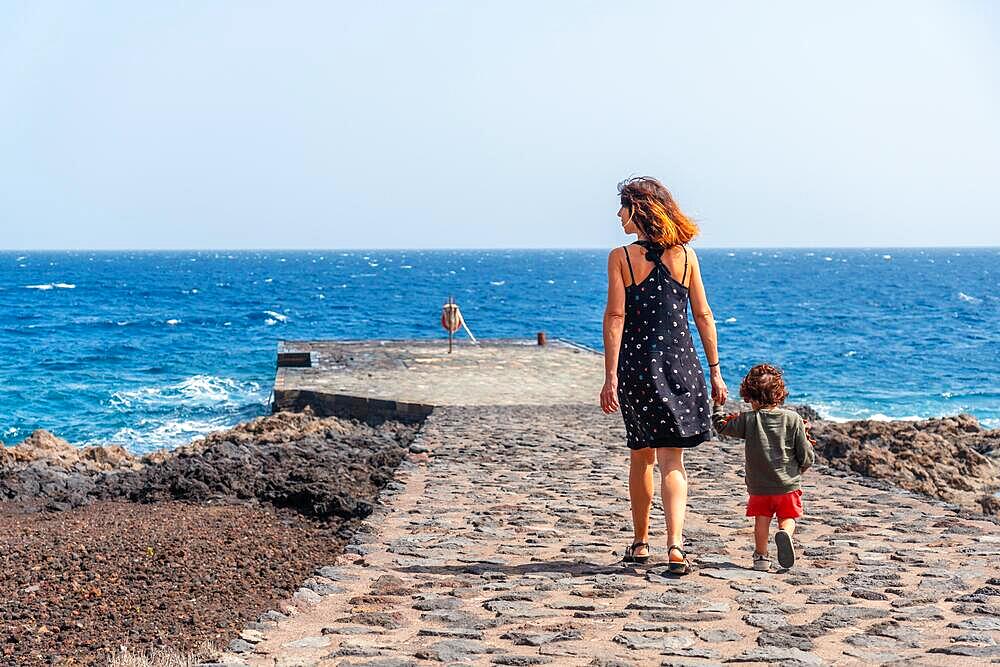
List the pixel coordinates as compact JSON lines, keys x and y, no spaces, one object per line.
{"x":677,"y":567}
{"x":630,"y":556}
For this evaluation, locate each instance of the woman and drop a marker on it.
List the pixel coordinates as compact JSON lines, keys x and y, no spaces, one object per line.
{"x":651,"y":368}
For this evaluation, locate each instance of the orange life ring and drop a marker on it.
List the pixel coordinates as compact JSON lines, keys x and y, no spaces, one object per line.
{"x":451,"y":318}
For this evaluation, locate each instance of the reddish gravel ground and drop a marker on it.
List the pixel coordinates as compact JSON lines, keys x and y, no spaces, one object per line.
{"x":77,"y":585}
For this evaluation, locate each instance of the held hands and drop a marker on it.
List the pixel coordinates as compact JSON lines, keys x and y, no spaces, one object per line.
{"x":609,"y":395}
{"x":719,"y":390}
{"x":809,"y":436}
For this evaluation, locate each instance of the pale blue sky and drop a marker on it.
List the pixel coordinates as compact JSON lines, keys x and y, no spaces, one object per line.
{"x":474,"y":124}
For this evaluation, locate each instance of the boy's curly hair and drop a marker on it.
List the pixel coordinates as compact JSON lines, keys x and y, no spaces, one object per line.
{"x":764,"y":385}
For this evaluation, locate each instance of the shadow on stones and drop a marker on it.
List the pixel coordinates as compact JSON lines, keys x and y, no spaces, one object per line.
{"x":569,"y":568}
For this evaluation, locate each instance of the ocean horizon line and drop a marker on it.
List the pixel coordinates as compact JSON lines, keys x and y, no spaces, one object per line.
{"x":491,"y":249}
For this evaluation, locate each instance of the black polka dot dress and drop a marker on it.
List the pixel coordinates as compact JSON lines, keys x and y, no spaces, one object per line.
{"x":661,"y":386}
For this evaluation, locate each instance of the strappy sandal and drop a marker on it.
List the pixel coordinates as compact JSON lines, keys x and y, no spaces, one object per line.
{"x":677,"y":567}
{"x":630,"y":556}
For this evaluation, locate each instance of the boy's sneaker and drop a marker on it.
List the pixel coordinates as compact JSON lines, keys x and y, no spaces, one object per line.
{"x":786,"y":552}
{"x":761,"y":562}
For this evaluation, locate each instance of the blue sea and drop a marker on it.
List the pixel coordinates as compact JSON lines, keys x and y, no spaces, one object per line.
{"x":152,"y":349}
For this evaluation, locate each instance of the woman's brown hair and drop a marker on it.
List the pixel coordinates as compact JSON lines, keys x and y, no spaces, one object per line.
{"x":655,"y":212}
{"x":764,"y":386}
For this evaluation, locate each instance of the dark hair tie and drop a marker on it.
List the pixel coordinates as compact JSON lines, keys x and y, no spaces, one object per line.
{"x":653,"y":251}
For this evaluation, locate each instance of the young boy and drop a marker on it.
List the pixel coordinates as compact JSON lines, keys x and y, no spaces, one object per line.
{"x":777,"y":453}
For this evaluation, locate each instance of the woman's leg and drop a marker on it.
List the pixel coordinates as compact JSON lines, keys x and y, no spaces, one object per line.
{"x":640,"y":492}
{"x":674,"y":492}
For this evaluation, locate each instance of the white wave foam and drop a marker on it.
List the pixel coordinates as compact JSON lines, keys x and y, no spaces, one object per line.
{"x":962,"y":296}
{"x":825,"y":412}
{"x":498,"y":283}
{"x":269,"y":322}
{"x":173,"y":323}
{"x":48,"y":286}
{"x":276,"y":317}
{"x":193,"y":392}
{"x":886,"y":256}
{"x":149,"y":435}
{"x":21,"y":258}
{"x":829,"y":259}
{"x":551,"y":282}
{"x":879,"y":417}
{"x":730,"y":320}
{"x":842,"y":414}
{"x":850,"y":353}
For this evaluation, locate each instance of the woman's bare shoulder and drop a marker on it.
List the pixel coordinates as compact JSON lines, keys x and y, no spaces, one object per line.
{"x":616,"y":254}
{"x":692,"y":258}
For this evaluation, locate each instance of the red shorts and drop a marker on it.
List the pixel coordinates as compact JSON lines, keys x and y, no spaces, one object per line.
{"x":786,"y":505}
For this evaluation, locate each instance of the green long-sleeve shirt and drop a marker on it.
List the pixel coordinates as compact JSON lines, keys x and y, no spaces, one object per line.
{"x":777,"y":447}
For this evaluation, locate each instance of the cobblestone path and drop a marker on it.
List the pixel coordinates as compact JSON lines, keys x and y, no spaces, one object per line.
{"x":501,"y":546}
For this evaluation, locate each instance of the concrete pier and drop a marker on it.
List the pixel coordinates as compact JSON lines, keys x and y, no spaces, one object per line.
{"x":406,"y":379}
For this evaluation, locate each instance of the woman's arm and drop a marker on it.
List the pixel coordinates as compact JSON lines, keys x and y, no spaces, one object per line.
{"x":705,"y":322}
{"x":614,"y":322}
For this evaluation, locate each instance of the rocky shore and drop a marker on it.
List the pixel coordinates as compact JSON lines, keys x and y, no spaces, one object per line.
{"x":103,"y":549}
{"x":952,"y":458}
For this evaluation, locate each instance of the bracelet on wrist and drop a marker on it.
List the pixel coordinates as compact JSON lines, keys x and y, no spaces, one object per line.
{"x":715,"y":365}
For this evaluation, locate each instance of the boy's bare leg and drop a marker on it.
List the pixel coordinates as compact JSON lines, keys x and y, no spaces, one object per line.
{"x":761,"y":527}
{"x":787,"y":525}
